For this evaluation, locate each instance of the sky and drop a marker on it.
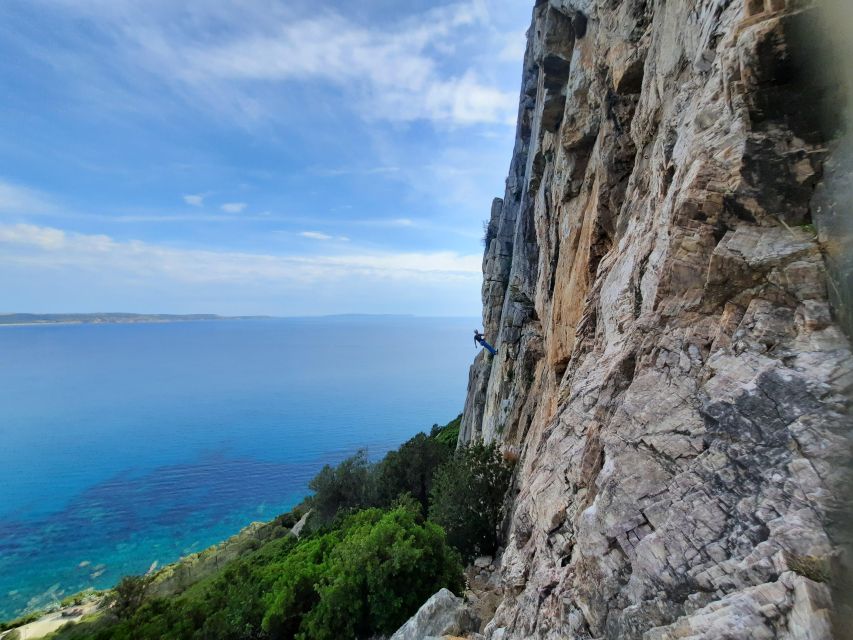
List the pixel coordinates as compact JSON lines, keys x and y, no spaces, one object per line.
{"x":279,"y":157}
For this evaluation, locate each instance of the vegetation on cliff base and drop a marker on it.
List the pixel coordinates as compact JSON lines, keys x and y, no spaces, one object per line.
{"x":365,"y":576}
{"x":467,"y":498}
{"x":368,"y":559}
{"x":356,"y":483}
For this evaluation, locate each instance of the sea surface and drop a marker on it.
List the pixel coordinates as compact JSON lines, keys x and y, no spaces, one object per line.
{"x":125,"y":445}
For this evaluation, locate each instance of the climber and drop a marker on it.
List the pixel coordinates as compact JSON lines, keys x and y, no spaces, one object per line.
{"x":480,"y":339}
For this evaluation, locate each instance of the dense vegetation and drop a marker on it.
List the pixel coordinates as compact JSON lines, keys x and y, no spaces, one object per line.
{"x":366,"y":561}
{"x":467,"y":498}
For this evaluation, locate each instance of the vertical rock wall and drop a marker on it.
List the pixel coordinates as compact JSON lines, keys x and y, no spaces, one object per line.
{"x":669,"y":369}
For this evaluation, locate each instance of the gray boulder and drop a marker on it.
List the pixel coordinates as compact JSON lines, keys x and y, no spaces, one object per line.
{"x":443,"y":614}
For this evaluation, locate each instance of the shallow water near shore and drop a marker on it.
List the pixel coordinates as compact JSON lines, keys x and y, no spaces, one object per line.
{"x":125,"y":445}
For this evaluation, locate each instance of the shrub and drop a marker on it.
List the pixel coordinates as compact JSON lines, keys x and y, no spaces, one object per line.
{"x":468,"y":496}
{"x":363,"y":579}
{"x":128,"y":596}
{"x":449,"y":433}
{"x":358,"y":575}
{"x":489,"y":233}
{"x":811,"y":567}
{"x":357,"y":484}
{"x":348,"y":486}
{"x":410,"y":469}
{"x":19,"y":622}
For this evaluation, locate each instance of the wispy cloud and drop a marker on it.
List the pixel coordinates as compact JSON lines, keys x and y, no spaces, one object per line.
{"x":324,"y":237}
{"x":394,"y":71}
{"x":22,"y":200}
{"x":514,"y":46}
{"x":227,"y":55}
{"x":195,"y":200}
{"x":389,"y":222}
{"x":316,"y":235}
{"x":233,"y":207}
{"x":347,"y":171}
{"x":45,"y":247}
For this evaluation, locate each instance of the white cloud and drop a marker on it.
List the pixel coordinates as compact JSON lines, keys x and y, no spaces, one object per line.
{"x":233,"y":207}
{"x":49,"y":248}
{"x":315,"y":235}
{"x":393,"y":71}
{"x":195,"y":200}
{"x":362,"y":171}
{"x":390,"y":222}
{"x":514,"y":47}
{"x":227,"y":56}
{"x":45,"y":238}
{"x":22,"y":200}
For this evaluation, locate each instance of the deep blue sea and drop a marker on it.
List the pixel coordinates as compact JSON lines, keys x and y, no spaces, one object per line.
{"x":122,"y":445}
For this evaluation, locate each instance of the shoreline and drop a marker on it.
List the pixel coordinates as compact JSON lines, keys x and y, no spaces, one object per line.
{"x":53,"y":620}
{"x":167,"y":579}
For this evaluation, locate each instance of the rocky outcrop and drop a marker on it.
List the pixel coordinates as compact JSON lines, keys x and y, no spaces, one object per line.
{"x":669,"y":368}
{"x":442,"y":615}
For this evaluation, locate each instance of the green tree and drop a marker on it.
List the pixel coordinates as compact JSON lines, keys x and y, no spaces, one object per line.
{"x":467,"y":498}
{"x":449,"y":433}
{"x":363,"y":579}
{"x":410,"y":469}
{"x":129,"y":595}
{"x":348,"y":486}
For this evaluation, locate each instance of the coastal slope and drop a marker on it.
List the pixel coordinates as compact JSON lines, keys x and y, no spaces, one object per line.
{"x":669,"y":370}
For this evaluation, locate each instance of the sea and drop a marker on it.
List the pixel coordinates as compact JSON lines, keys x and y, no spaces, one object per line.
{"x":125,"y":445}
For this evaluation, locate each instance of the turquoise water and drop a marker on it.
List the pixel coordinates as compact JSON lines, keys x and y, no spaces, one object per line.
{"x":123,"y":445}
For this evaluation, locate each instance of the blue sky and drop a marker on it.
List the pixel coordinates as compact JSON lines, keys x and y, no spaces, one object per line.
{"x":252,"y":156}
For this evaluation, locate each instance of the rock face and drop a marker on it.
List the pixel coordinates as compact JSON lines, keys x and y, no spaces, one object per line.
{"x":669,"y":369}
{"x":443,"y":614}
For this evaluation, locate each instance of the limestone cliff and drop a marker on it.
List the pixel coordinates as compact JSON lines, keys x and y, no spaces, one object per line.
{"x":669,"y":369}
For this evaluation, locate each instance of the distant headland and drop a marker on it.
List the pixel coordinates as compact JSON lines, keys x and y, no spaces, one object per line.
{"x":9,"y":319}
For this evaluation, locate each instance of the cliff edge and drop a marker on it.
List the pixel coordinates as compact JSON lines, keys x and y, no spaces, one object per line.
{"x":669,"y":369}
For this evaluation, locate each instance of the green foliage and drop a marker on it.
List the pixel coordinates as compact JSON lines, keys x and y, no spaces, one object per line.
{"x":294,"y":591}
{"x":468,"y":497}
{"x":17,"y":622}
{"x":75,"y":599}
{"x":348,"y":486}
{"x":365,"y":578}
{"x":361,"y":572}
{"x":357,"y":484}
{"x":127,"y":597}
{"x":449,"y":433}
{"x":288,"y":520}
{"x":812,"y":567}
{"x":410,"y":469}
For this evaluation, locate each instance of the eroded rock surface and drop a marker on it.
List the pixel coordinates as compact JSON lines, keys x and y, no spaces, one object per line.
{"x":442,"y":615}
{"x":669,"y":369}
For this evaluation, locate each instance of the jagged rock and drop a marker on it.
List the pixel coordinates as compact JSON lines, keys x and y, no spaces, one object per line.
{"x":669,"y":368}
{"x":299,"y":526}
{"x":443,"y":614}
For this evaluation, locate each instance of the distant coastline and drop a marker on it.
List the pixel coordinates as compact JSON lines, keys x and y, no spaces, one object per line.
{"x":23,"y":319}
{"x":28,"y":319}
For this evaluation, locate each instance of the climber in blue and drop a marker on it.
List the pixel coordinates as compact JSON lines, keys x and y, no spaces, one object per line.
{"x":481,"y":340}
